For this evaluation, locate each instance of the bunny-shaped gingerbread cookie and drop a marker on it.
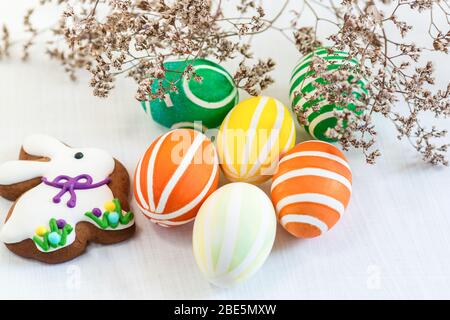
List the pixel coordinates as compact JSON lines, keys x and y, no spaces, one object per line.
{"x":64,"y":198}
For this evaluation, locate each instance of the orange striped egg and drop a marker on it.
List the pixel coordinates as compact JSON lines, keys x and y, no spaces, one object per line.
{"x":176,"y":174}
{"x":311,"y":188}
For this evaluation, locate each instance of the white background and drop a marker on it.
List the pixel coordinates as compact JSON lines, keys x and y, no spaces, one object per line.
{"x":393,"y":241}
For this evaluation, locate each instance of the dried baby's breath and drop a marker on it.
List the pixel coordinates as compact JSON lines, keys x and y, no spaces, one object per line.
{"x":135,"y":38}
{"x":385,"y":62}
{"x":4,"y":42}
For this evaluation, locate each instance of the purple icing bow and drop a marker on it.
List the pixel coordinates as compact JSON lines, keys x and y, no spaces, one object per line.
{"x":68,"y":184}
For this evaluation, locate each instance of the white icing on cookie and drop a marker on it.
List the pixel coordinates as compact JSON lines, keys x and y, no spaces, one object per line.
{"x":44,"y":146}
{"x":36,"y":207}
{"x":18,"y":171}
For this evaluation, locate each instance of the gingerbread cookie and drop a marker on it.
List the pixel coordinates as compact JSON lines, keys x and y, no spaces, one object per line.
{"x":64,"y":198}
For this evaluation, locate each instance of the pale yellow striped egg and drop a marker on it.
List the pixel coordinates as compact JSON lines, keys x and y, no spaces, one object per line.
{"x":233,"y":233}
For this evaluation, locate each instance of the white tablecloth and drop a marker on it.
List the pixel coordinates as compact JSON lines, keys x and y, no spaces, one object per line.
{"x":393,"y":241}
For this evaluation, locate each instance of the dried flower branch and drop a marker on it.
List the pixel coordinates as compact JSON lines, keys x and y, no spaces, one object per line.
{"x":385,"y":63}
{"x":134,"y":38}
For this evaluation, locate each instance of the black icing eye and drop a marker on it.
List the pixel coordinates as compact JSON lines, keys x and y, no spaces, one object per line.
{"x":78,"y":155}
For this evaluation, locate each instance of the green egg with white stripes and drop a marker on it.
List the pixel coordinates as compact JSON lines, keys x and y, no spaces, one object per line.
{"x":234,"y":232}
{"x":194,"y":104}
{"x":303,"y":80}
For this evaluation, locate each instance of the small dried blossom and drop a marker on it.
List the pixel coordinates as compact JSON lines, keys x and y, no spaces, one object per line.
{"x":305,"y":39}
{"x":4,"y":42}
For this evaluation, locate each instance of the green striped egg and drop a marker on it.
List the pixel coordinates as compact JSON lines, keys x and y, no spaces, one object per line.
{"x":233,"y":233}
{"x":198,"y":105}
{"x":303,"y":79}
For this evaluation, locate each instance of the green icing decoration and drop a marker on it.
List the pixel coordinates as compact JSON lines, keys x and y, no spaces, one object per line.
{"x":323,"y":119}
{"x":103,"y":221}
{"x":44,"y":243}
{"x":204,"y":103}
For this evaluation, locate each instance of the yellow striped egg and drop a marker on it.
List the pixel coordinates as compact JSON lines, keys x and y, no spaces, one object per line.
{"x":252,"y":137}
{"x":233,"y":233}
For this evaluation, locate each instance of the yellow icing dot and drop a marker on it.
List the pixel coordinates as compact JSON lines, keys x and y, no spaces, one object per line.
{"x":110,"y":206}
{"x":41,"y":231}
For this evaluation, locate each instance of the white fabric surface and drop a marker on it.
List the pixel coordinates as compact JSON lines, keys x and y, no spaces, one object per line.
{"x":393,"y":241}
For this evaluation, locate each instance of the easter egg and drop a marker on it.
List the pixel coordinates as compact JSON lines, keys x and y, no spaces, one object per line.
{"x":233,"y":233}
{"x":303,"y":80}
{"x":252,"y":137}
{"x":194,"y":104}
{"x":175,"y":175}
{"x":311,"y":188}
